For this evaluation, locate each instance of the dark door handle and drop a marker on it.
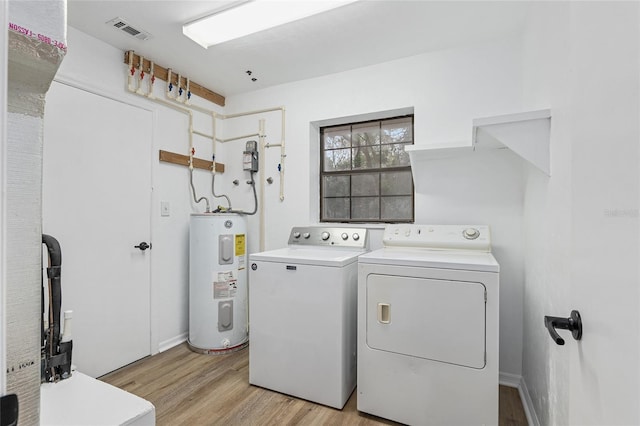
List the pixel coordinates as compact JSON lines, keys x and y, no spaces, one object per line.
{"x":573,"y":324}
{"x":143,"y":246}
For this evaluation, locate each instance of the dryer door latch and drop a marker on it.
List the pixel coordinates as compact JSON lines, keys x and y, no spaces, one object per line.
{"x":384,"y":313}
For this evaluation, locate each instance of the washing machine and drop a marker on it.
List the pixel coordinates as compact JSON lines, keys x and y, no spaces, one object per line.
{"x":428,"y":326}
{"x":302,"y":313}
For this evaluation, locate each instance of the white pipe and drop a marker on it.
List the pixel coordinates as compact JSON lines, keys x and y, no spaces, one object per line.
{"x":242,"y":114}
{"x":178,"y":95}
{"x":130,"y":72}
{"x":202,"y":134}
{"x":203,"y":110}
{"x":191,"y":149}
{"x":169,"y":85}
{"x":238,"y":137}
{"x":139,"y":91}
{"x":214,"y":115}
{"x":213,"y":167}
{"x":152,"y":80}
{"x":186,"y":94}
{"x":282,"y":157}
{"x":261,"y":180}
{"x":281,"y":144}
{"x":213,"y":141}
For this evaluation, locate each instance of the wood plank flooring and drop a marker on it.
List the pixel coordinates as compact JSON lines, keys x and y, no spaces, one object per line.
{"x":193,"y":389}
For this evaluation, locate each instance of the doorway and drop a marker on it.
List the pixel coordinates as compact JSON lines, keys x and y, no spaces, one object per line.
{"x":97,"y":203}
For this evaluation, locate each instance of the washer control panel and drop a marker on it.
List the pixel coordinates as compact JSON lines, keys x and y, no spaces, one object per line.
{"x":328,"y":236}
{"x":438,"y":237}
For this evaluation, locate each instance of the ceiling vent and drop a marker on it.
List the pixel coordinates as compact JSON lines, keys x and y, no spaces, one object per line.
{"x":122,"y":25}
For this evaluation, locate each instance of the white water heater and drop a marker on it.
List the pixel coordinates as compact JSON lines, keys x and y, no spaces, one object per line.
{"x":218,"y":303}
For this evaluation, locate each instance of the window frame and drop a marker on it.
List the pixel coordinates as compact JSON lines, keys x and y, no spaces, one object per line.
{"x":351,"y":172}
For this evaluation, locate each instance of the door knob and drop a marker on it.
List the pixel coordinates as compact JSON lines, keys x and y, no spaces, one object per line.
{"x":143,"y":246}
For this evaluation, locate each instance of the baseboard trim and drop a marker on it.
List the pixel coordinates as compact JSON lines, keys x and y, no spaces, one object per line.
{"x":511,"y":380}
{"x":174,"y":341}
{"x":527,"y":404}
{"x":517,"y":381}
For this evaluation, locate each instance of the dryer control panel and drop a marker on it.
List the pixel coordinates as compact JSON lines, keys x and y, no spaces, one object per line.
{"x":438,"y":237}
{"x":329,"y":236}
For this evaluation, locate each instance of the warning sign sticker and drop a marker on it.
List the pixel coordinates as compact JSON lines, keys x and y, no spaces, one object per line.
{"x":225,"y":285}
{"x":240,"y":245}
{"x":241,"y":249}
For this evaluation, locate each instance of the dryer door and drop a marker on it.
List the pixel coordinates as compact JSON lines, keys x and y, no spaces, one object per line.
{"x":440,"y":320}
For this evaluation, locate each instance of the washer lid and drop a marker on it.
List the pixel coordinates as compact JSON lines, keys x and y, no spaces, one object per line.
{"x":320,"y":256}
{"x":425,"y":258}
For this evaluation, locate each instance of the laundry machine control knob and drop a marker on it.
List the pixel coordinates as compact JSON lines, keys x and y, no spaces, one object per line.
{"x":325,"y":236}
{"x":344,"y":236}
{"x":356,"y":236}
{"x":471,"y":233}
{"x":296,"y":235}
{"x":306,"y":235}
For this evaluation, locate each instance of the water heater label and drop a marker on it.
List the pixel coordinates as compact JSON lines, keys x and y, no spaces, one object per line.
{"x":241,"y":250}
{"x":240,"y":245}
{"x":225,"y":285}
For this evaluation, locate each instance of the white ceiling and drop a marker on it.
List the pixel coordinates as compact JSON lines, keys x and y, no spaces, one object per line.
{"x":356,"y":35}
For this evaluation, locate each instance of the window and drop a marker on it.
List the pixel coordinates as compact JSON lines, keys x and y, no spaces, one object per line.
{"x":365,"y":174}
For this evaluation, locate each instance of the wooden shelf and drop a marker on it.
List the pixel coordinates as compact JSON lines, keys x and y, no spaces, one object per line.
{"x":183,"y":160}
{"x":161,"y":73}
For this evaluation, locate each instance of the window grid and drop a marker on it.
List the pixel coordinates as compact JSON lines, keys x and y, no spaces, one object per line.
{"x":354,"y":149}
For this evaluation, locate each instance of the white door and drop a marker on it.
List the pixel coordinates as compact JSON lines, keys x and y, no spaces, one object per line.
{"x":96,"y":202}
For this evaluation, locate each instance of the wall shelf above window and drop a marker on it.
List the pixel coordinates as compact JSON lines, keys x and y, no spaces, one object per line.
{"x":419,"y":153}
{"x":526,"y":134}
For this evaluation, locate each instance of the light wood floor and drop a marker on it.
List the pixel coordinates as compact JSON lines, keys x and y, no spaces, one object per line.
{"x":193,"y":389}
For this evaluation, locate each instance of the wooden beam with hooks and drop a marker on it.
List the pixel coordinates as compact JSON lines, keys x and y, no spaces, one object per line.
{"x":161,"y":73}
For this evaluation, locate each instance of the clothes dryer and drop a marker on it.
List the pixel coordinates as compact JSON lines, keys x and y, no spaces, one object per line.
{"x":428,"y":326}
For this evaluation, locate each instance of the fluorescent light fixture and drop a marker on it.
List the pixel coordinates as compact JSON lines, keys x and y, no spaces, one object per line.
{"x":252,"y":16}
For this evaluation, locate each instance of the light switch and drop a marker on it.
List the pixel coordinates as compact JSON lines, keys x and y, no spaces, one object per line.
{"x":164,"y":208}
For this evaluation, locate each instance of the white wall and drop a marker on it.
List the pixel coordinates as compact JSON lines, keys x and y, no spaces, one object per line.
{"x":446,"y":89}
{"x":581,"y":225}
{"x":547,"y":215}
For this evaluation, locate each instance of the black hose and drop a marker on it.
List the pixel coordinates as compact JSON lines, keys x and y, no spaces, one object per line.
{"x":55,"y":288}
